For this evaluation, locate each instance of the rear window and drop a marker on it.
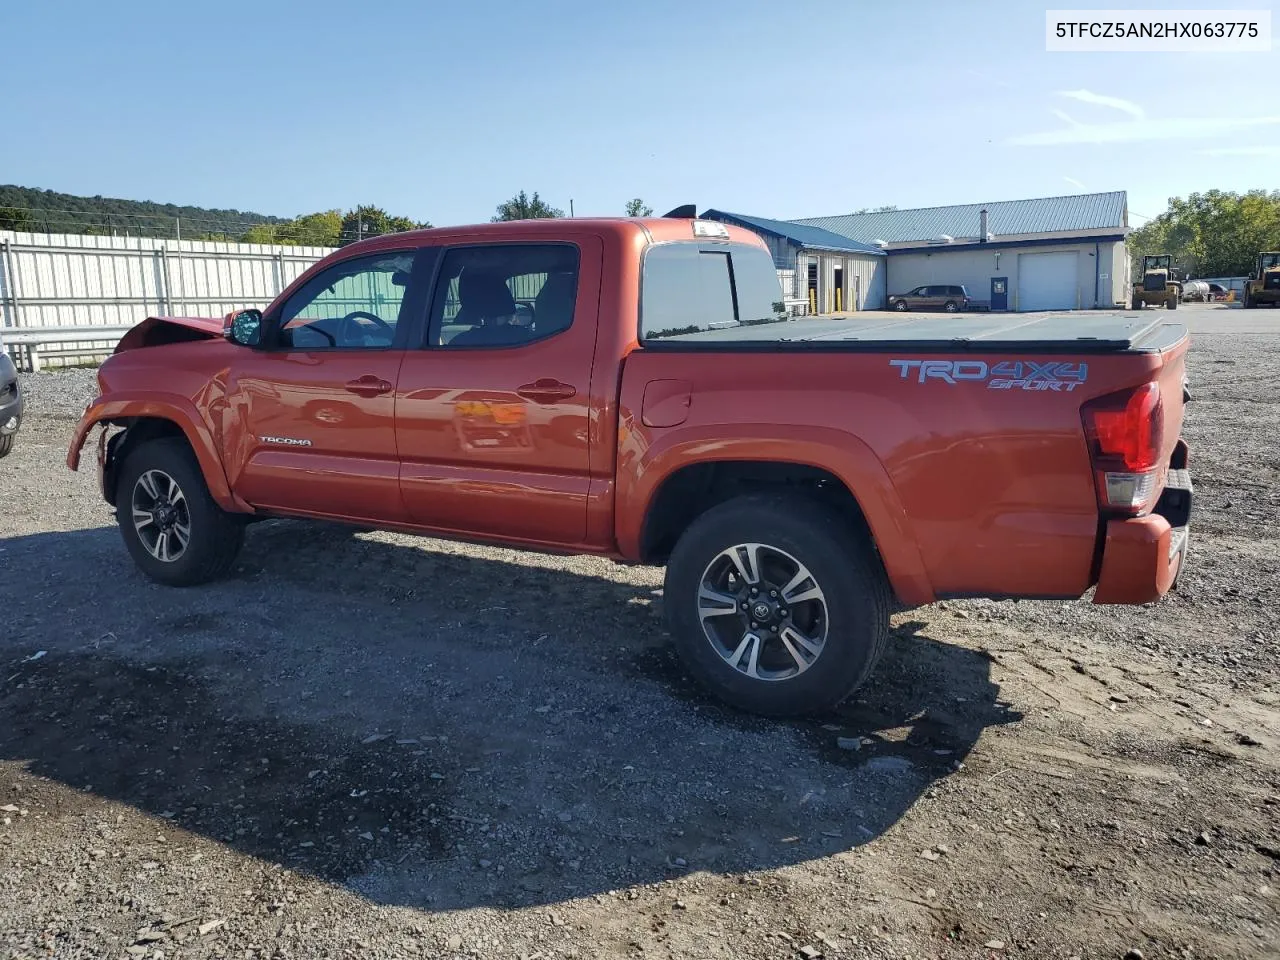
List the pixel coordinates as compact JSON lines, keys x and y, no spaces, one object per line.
{"x":695,"y":291}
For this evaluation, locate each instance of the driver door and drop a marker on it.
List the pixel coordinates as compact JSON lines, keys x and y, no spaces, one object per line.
{"x":311,"y":413}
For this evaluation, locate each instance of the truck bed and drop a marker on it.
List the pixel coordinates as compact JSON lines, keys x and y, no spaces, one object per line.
{"x":1075,"y":333}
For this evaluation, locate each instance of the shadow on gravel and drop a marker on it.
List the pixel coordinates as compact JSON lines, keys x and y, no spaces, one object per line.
{"x":533,"y":737}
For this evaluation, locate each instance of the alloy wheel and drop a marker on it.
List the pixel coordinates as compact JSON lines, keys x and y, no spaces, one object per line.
{"x":161,"y":516}
{"x":762,"y":611}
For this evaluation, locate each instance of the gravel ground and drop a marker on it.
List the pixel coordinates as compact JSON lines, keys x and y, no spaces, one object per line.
{"x":375,"y":745}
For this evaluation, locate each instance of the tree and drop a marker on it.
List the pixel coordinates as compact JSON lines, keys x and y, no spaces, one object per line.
{"x":1213,"y":234}
{"x":884,"y":209}
{"x":260,"y":233}
{"x":329,"y":228}
{"x":369,"y":221}
{"x":523,"y":207}
{"x":11,"y":218}
{"x":638,"y":208}
{"x":313,"y":229}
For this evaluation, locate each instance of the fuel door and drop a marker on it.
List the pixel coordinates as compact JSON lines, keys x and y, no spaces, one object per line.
{"x":666,"y":403}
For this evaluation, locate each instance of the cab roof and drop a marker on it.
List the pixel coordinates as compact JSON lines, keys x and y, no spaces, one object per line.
{"x":650,"y":229}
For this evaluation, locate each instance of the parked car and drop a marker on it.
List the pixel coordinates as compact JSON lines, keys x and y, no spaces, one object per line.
{"x":949,"y":297}
{"x":10,"y":403}
{"x":797,"y":477}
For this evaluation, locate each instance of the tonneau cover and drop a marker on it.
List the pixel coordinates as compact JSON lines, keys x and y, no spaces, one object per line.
{"x":1076,"y":332}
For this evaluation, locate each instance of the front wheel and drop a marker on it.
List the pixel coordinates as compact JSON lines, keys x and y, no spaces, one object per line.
{"x":900,"y":306}
{"x":6,"y":443}
{"x":1171,"y":303}
{"x":778,"y":606}
{"x":175,"y":532}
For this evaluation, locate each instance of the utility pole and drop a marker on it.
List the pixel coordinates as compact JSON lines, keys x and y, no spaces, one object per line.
{"x":571,"y":206}
{"x":177,"y":226}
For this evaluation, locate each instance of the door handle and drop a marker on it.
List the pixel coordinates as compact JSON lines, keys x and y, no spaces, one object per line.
{"x":546,"y":391}
{"x":369,"y":386}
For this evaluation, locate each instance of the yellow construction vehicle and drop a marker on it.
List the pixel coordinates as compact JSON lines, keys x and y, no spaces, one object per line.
{"x":1264,"y":286}
{"x":1161,"y":283}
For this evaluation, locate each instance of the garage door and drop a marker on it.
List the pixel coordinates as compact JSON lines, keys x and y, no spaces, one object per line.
{"x":1047,"y":281}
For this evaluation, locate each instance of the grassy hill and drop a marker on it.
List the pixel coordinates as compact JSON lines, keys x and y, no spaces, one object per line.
{"x":26,"y":208}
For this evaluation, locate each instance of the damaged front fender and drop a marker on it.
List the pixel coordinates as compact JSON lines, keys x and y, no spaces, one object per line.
{"x":144,"y":418}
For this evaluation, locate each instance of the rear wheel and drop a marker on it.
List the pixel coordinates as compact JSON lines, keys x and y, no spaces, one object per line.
{"x":1171,"y":303}
{"x":777,"y":605}
{"x":171,"y":526}
{"x":951,"y":306}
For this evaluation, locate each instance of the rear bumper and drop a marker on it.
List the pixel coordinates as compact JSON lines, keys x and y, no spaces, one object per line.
{"x":1142,"y":557}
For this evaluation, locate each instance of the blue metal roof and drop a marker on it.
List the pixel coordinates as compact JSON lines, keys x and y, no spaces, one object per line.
{"x":1089,"y":211}
{"x":804,"y":235}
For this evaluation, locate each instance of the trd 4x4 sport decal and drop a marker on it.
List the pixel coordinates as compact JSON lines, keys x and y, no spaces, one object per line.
{"x":1005,"y":375}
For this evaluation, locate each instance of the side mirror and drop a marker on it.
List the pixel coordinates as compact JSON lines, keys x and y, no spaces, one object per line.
{"x":244,"y":328}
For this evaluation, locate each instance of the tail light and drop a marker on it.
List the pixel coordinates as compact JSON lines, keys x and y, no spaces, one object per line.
{"x":1125,"y":432}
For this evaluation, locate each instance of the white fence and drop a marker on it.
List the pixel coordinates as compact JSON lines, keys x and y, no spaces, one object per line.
{"x":51,"y":282}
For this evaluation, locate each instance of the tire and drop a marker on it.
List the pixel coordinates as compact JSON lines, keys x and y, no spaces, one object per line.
{"x":213,"y":536}
{"x":1171,"y":304}
{"x":851,"y":617}
{"x":6,"y":444}
{"x":950,"y":306}
{"x":900,"y":306}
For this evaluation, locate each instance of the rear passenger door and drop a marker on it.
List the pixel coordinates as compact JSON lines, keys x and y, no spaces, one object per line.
{"x":492,"y":410}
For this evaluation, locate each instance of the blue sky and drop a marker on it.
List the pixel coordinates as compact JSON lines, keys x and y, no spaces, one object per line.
{"x":441,"y":110}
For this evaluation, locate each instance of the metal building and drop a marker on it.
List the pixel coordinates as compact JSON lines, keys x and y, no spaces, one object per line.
{"x":820,"y":271}
{"x":1053,"y":253}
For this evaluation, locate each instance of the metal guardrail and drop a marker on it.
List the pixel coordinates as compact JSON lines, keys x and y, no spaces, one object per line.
{"x":64,"y":334}
{"x":30,"y":340}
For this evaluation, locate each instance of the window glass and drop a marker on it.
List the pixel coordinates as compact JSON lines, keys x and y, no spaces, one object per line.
{"x":353,"y":304}
{"x":690,"y":289}
{"x":504,"y":294}
{"x":755,"y":276}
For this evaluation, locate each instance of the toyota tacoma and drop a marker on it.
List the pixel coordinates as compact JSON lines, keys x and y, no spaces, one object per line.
{"x":634,"y":388}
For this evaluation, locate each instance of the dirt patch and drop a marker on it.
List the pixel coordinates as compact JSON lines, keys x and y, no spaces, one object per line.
{"x":476,"y":752}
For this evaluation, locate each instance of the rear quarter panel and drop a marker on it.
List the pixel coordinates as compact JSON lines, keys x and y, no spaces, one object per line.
{"x":970,"y":490}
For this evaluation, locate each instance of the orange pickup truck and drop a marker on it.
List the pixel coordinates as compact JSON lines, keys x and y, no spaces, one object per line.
{"x":633,"y":388}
